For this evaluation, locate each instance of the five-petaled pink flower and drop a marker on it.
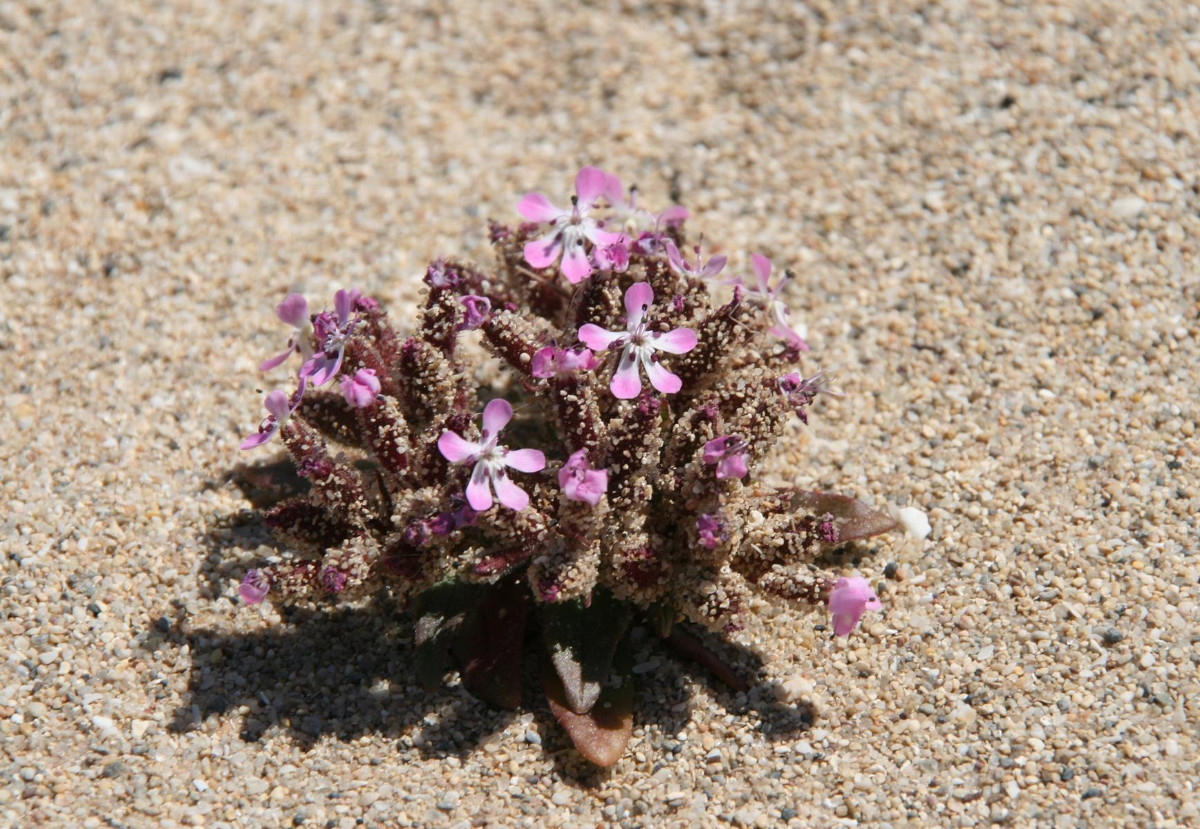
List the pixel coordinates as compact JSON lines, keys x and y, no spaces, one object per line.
{"x":770,"y":297}
{"x":361,"y":390}
{"x":638,"y":346}
{"x":682,"y":267}
{"x":571,"y":227}
{"x":729,"y":455}
{"x":294,"y":311}
{"x":553,"y":361}
{"x":280,"y":408}
{"x":491,"y":460}
{"x":849,"y":599}
{"x":332,"y":332}
{"x":580,"y":482}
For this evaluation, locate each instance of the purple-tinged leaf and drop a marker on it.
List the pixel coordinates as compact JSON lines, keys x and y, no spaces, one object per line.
{"x":601,"y":733}
{"x":851,"y":519}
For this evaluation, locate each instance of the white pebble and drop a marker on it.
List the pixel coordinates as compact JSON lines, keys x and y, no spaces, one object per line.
{"x":915,"y":522}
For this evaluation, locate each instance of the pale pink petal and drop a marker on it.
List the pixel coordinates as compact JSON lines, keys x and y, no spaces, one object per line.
{"x":843,"y":623}
{"x":712,"y":267}
{"x":575,"y":264}
{"x":343,"y":302}
{"x":613,"y":191}
{"x":537,"y":208}
{"x":509,"y":494}
{"x":679,"y":341}
{"x":673,"y":215}
{"x":603,"y":238}
{"x":661,"y":379}
{"x":762,"y":270}
{"x":638,"y":298}
{"x":675,"y":259}
{"x":589,"y":184}
{"x":496,"y":415}
{"x":598,"y":339}
{"x":277,"y":404}
{"x":258,"y":438}
{"x":627,"y":381}
{"x":542,"y":253}
{"x":479,"y":494}
{"x":293,"y":310}
{"x":456,"y":449}
{"x":267,"y":365}
{"x":733,"y":466}
{"x":525,"y":460}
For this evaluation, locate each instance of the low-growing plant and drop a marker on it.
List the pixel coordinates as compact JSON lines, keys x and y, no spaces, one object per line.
{"x":611,"y":473}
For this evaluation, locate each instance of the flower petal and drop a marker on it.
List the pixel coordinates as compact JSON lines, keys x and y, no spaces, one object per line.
{"x":844,"y":623}
{"x":508,"y":493}
{"x":293,"y":310}
{"x":456,"y":449}
{"x":479,"y":494}
{"x":597,"y":338}
{"x":713,"y":267}
{"x":638,"y":298}
{"x":575,"y":265}
{"x":277,"y":404}
{"x":627,"y":381}
{"x":525,"y":460}
{"x":258,"y":438}
{"x":590,"y":184}
{"x":762,"y":270}
{"x":496,"y":415}
{"x":602,"y":238}
{"x":679,"y":341}
{"x":673,"y":215}
{"x":542,"y":253}
{"x":660,"y":378}
{"x":613,"y":191}
{"x":343,"y":302}
{"x":267,"y":365}
{"x":537,"y":208}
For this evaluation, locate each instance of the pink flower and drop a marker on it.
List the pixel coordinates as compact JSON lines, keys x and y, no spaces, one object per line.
{"x":638,"y":346}
{"x":614,"y":257}
{"x":279,"y":409}
{"x":681,"y":266}
{"x":332,"y":332}
{"x":580,"y":482}
{"x":626,"y":213}
{"x":553,"y":361}
{"x":491,"y":460}
{"x":729,"y":456}
{"x":571,"y":227}
{"x":770,"y":297}
{"x":801,"y":392}
{"x":361,"y":390}
{"x":254,"y":587}
{"x":477,"y":308}
{"x":849,"y":599}
{"x":709,"y":529}
{"x":294,"y":311}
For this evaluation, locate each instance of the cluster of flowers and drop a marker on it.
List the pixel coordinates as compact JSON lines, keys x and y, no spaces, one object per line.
{"x":643,"y":493}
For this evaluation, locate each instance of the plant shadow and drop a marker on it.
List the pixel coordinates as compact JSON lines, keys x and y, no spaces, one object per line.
{"x":347,"y":671}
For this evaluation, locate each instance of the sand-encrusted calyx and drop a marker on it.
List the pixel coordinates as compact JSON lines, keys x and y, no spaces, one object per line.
{"x":640,"y":409}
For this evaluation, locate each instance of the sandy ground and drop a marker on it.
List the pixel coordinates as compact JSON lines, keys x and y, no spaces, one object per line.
{"x":993,"y":211}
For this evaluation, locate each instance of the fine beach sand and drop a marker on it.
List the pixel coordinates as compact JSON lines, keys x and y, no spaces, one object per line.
{"x":992,"y":212}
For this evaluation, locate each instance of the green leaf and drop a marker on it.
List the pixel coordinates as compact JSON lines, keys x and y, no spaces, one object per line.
{"x":602,"y":733}
{"x":852,"y":517}
{"x":580,"y":642}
